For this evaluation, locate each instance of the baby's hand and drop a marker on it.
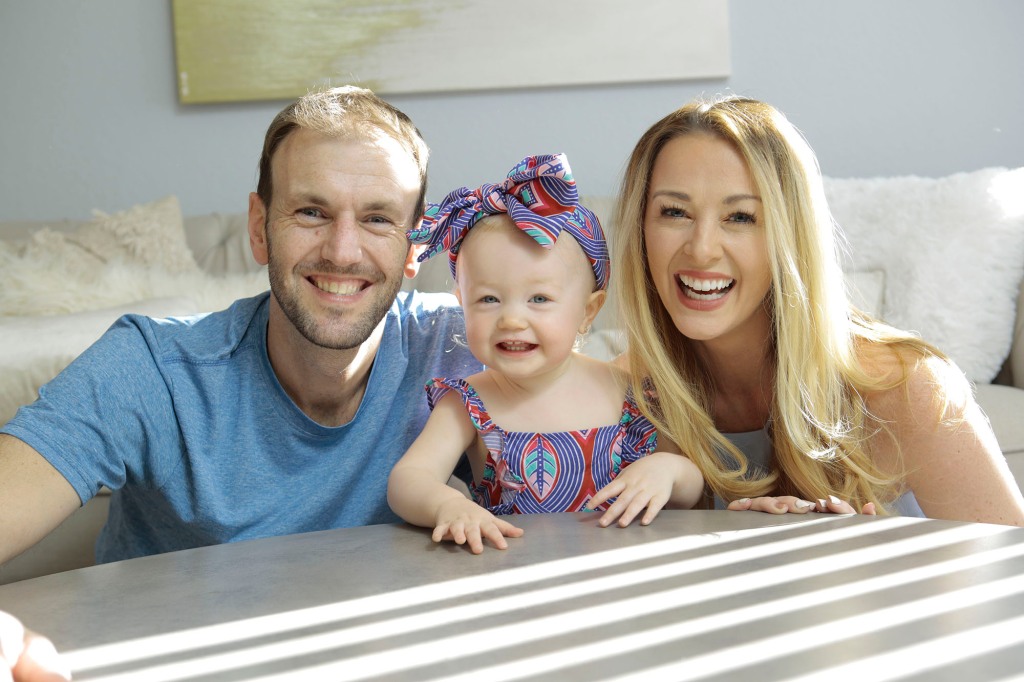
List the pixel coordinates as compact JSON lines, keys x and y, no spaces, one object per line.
{"x":464,"y":522}
{"x":644,"y":484}
{"x":788,"y":504}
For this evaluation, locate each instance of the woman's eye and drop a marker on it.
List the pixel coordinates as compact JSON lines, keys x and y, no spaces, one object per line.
{"x":539,"y":298}
{"x":673,"y":212}
{"x":742,"y":217}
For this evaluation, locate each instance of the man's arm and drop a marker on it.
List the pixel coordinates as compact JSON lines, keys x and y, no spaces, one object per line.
{"x":34,"y":497}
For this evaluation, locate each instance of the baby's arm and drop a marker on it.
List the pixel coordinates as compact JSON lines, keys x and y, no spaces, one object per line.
{"x":662,"y":478}
{"x":418,"y":489}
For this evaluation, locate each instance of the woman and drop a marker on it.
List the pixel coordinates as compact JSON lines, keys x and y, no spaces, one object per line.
{"x":786,"y":397}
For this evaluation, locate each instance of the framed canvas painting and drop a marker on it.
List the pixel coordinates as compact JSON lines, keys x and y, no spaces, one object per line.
{"x":235,"y":50}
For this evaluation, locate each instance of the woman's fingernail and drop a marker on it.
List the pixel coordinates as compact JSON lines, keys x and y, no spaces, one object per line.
{"x":803,"y":504}
{"x":743,"y":500}
{"x":822,"y":504}
{"x":834,"y":500}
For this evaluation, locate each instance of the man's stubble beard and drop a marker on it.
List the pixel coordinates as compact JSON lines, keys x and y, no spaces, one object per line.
{"x":349,"y":336}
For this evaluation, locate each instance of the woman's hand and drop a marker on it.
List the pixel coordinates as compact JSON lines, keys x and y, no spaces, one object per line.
{"x":465,"y":522}
{"x":26,"y":656}
{"x":788,"y":504}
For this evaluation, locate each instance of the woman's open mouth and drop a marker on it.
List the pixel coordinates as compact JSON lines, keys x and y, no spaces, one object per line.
{"x":704,"y":289}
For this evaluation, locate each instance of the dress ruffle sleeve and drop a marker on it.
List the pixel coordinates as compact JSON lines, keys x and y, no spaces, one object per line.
{"x":499,"y":486}
{"x":638,"y":434}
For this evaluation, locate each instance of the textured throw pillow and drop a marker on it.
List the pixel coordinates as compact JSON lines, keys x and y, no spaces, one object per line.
{"x":952,"y":250}
{"x":867,"y":290}
{"x":150,"y":234}
{"x":58,"y":272}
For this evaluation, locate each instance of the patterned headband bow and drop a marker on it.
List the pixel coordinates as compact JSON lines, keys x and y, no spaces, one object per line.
{"x":540,"y":197}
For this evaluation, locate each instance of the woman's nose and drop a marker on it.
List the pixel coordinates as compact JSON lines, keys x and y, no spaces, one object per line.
{"x":703,"y":243}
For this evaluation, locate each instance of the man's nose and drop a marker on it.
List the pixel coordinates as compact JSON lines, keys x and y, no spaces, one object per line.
{"x":342,"y":242}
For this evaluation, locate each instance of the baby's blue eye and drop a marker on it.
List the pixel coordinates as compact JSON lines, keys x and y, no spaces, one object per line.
{"x":489,"y":299}
{"x":539,"y":298}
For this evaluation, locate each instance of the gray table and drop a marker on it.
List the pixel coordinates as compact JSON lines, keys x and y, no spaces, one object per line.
{"x":697,"y":595}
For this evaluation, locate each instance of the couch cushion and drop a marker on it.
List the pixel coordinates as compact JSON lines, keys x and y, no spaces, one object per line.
{"x":1004,"y":406}
{"x":56,"y":271}
{"x":953,"y":254}
{"x":220,"y":243}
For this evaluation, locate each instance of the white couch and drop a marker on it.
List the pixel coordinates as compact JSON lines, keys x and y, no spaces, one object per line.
{"x":942,"y":256}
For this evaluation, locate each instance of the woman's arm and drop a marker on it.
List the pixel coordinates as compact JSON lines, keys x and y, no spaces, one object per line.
{"x":950,"y":458}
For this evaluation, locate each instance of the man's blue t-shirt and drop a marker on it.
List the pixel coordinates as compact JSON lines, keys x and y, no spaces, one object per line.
{"x":186,"y":422}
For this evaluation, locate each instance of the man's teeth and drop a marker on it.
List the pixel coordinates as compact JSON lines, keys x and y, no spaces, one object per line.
{"x":333,"y":287}
{"x":705,"y":289}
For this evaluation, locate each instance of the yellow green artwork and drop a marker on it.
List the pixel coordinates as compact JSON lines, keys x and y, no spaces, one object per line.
{"x":237,"y":50}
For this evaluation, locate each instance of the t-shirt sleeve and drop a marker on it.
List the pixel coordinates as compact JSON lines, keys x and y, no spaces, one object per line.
{"x":435,"y":334}
{"x":99,"y":420}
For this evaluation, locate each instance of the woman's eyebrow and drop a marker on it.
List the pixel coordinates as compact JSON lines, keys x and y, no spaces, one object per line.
{"x":732,"y":199}
{"x":683,"y":196}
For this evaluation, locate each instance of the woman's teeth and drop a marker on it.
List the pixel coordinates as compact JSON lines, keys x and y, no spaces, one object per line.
{"x":705,"y":289}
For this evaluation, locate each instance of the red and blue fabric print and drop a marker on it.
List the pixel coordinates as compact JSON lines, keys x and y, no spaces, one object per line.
{"x":528,"y":473}
{"x":539,"y":195}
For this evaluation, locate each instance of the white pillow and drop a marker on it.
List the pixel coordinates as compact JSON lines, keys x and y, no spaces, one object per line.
{"x":37,"y":348}
{"x":59,"y":272}
{"x":867,"y":290}
{"x":952,"y":250}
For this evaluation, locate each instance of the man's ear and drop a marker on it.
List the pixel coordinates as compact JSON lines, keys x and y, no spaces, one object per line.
{"x":594,"y":304}
{"x":258,"y":229}
{"x":412,"y":264}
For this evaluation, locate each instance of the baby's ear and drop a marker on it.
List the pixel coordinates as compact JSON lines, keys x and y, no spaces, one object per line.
{"x":412,"y":263}
{"x":594,"y":304}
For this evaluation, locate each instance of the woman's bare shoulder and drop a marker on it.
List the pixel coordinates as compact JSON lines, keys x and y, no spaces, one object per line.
{"x":912,"y":382}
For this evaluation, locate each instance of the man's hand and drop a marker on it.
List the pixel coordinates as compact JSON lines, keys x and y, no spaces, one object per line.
{"x":465,"y":522}
{"x":26,"y":656}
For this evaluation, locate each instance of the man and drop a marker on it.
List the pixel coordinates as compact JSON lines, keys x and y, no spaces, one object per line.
{"x":282,"y":414}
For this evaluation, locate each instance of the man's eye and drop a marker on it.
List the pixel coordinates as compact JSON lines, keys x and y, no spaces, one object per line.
{"x":310,"y":212}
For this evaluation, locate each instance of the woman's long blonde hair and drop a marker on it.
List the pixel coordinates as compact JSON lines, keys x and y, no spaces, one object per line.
{"x":819,"y":423}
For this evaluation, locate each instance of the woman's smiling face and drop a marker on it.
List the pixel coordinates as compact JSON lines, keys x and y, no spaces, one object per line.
{"x":705,"y":241}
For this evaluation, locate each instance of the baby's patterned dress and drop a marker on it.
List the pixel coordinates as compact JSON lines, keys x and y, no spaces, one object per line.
{"x":529,"y":473}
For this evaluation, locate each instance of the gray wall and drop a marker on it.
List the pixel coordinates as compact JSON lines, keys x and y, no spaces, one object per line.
{"x":880,"y":87}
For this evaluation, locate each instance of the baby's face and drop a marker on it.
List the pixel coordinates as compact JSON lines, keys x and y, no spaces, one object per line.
{"x":524,"y":304}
